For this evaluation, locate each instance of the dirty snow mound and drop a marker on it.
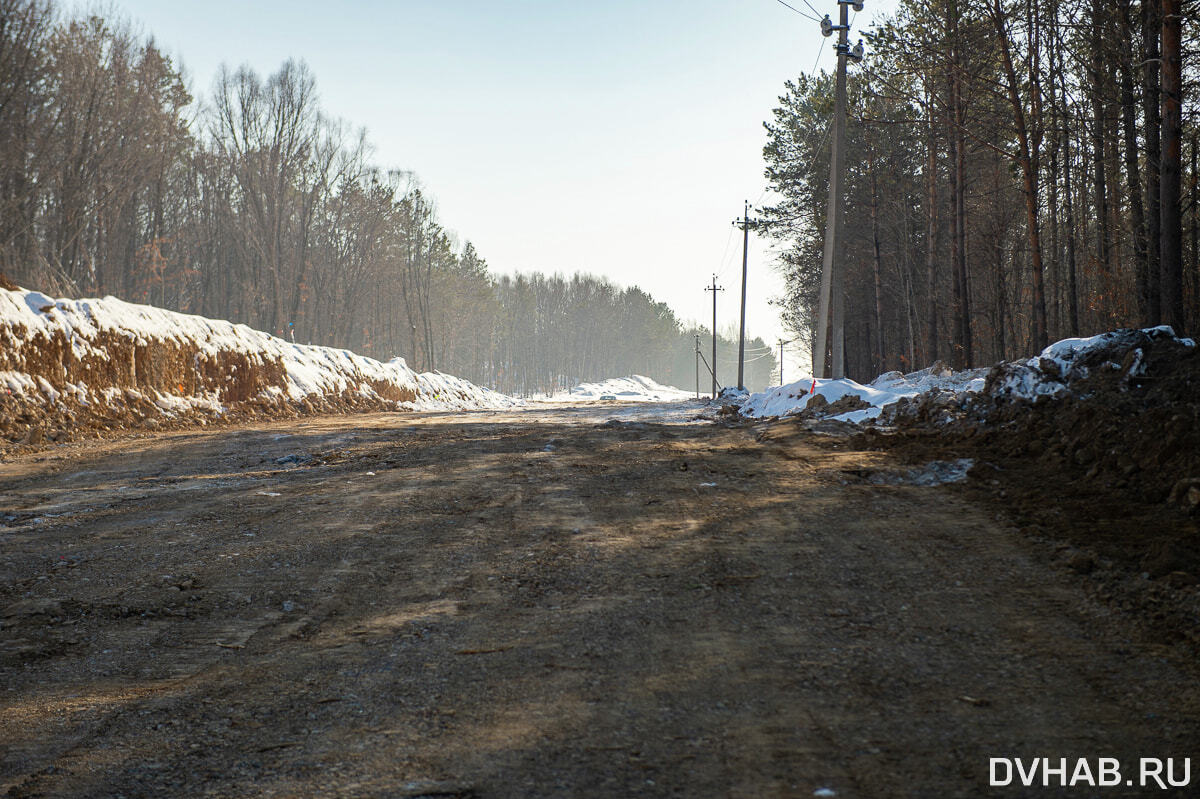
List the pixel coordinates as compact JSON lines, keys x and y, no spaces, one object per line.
{"x":1073,"y":366}
{"x":1071,"y":361}
{"x":848,"y":401}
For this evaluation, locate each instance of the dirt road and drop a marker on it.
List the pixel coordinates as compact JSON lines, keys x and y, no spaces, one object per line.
{"x":565,"y":602}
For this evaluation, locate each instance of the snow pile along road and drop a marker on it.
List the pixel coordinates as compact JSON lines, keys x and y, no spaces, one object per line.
{"x":847,"y":401}
{"x":634,"y":388}
{"x":1072,"y":361}
{"x":1071,"y":367}
{"x":105,"y":362}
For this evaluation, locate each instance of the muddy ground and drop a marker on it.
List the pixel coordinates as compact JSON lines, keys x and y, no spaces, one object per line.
{"x":564,"y":602}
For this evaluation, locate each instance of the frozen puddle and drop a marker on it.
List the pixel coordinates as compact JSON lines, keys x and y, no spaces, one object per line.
{"x":934,"y":473}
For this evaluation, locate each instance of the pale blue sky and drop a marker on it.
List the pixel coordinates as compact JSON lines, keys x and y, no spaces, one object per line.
{"x":613,"y":137}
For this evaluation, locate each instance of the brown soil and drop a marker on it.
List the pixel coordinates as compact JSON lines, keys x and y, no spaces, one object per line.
{"x":551,"y":603}
{"x":1109,"y":478}
{"x":27,"y":426}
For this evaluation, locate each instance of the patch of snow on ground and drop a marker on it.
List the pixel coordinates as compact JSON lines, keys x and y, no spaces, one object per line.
{"x":884,"y":390}
{"x":635,"y":388}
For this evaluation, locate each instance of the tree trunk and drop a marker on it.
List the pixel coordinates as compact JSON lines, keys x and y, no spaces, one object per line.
{"x":907,"y":276}
{"x":1133,"y":179}
{"x":881,"y":349}
{"x":1099,"y":123}
{"x":958,"y":232}
{"x":1193,"y":201}
{"x":1029,"y":179}
{"x":931,"y":237}
{"x":1151,"y":112}
{"x":1171,"y":171}
{"x":1052,"y":209}
{"x":1069,"y":196}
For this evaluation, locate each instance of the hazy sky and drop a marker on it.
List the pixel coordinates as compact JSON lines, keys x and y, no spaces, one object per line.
{"x":617,"y":137}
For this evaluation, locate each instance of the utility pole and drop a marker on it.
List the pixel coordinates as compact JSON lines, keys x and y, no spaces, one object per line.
{"x":832,"y":266}
{"x":781,"y":343}
{"x":697,"y":366}
{"x":714,"y":288}
{"x":745,"y":223}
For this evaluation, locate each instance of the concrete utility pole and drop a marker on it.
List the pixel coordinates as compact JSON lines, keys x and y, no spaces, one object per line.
{"x":714,"y":288}
{"x":832,"y":266}
{"x":745,"y":223}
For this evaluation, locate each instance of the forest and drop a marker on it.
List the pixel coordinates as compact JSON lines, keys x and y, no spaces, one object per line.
{"x":252,"y":204}
{"x":1017,"y":172}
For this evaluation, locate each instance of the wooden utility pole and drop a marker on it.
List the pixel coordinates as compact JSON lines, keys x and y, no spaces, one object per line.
{"x":781,"y":343}
{"x":697,"y":366}
{"x":714,"y":288}
{"x":745,"y":223}
{"x":831,"y":296}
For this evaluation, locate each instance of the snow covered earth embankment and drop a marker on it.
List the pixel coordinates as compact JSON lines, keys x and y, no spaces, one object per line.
{"x":71,"y":366}
{"x":1115,"y":415}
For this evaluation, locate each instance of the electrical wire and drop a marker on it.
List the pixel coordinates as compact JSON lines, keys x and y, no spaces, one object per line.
{"x":731,"y":361}
{"x":820,"y":52}
{"x":812,"y":9}
{"x":798,"y":11}
{"x":725,"y":256}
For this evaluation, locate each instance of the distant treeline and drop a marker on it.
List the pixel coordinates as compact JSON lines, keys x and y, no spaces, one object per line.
{"x":257,"y":207}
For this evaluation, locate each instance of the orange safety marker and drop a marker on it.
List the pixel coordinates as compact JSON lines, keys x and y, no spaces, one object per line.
{"x":813,"y":390}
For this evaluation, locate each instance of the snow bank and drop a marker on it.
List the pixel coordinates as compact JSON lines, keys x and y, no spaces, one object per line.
{"x":103,"y":352}
{"x":883,"y":391}
{"x":1072,"y":360}
{"x":635,"y":388}
{"x":1059,"y":370}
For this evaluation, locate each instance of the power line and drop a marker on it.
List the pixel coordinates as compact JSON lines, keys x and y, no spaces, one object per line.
{"x":798,"y":11}
{"x":725,"y":255}
{"x":748,"y":360}
{"x":813,"y":9}
{"x":820,"y":52}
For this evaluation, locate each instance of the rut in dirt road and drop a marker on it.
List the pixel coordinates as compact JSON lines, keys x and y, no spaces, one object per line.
{"x":551,"y":603}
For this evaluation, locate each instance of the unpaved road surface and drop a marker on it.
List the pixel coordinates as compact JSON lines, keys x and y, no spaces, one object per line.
{"x":561,"y":602}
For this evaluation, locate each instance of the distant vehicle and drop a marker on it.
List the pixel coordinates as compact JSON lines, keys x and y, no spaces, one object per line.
{"x":607,"y":397}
